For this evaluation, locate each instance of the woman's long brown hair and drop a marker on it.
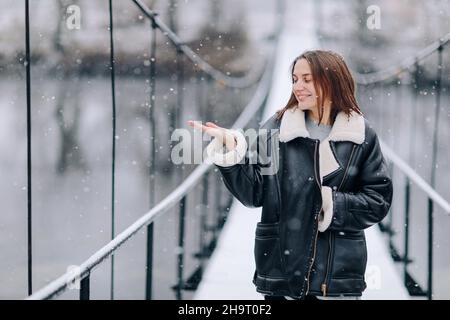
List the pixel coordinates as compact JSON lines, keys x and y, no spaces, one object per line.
{"x":332,"y":80}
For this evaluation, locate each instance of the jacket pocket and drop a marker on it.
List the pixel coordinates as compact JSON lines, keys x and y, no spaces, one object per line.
{"x":350,"y":258}
{"x":268,"y":250}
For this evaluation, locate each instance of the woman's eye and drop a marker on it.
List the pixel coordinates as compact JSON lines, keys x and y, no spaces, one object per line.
{"x":304,"y":80}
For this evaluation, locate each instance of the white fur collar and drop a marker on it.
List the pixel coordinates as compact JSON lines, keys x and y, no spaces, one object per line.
{"x":344,"y":129}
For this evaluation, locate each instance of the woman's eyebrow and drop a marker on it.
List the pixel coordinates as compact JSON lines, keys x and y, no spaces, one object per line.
{"x":305,"y":74}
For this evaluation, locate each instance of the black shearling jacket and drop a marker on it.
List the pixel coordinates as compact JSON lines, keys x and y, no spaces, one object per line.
{"x":316,"y":203}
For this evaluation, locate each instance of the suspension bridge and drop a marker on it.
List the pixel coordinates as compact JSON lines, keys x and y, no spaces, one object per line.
{"x":226,"y":227}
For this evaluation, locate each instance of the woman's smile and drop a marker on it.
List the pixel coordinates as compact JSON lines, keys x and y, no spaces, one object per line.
{"x":303,"y":96}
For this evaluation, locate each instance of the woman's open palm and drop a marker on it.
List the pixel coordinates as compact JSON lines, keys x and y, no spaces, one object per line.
{"x":222,"y":134}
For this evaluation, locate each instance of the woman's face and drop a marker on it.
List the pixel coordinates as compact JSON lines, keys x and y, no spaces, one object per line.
{"x":303,"y":86}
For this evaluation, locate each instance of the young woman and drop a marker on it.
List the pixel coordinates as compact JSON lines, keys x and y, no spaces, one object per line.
{"x":331,"y":183}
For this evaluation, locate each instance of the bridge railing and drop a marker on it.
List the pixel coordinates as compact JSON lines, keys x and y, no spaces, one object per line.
{"x":179,"y":196}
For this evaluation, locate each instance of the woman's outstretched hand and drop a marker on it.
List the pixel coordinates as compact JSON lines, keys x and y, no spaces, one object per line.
{"x":223,"y":135}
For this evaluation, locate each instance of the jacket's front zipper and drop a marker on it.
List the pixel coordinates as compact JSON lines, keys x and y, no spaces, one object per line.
{"x":324,"y":285}
{"x":317,"y":227}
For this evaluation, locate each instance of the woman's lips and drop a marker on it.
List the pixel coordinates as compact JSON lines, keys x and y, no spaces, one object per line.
{"x":303,"y":97}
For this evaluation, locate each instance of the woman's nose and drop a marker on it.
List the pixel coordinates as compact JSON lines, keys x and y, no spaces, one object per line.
{"x":299,"y":85}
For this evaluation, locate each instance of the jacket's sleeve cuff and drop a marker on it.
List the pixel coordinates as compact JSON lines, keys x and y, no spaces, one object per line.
{"x":216,"y":154}
{"x":326,"y":215}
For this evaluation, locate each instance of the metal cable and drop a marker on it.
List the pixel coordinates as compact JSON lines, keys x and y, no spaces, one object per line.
{"x":234,"y":82}
{"x":29,"y":172}
{"x":113,"y":169}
